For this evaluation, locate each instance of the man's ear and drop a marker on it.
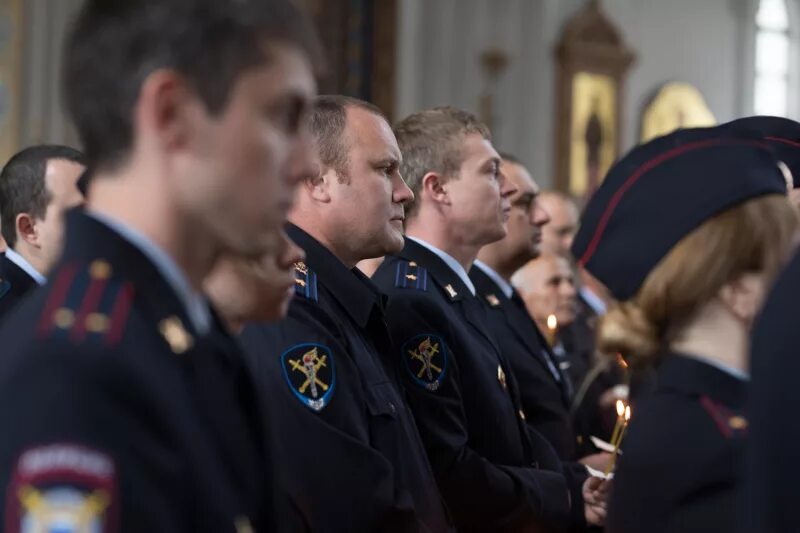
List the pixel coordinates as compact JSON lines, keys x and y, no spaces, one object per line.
{"x":319,"y":183}
{"x":168,"y":108}
{"x":27,"y":230}
{"x":433,"y":187}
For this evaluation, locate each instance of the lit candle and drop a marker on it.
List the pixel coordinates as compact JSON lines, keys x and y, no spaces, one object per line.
{"x":617,"y":444}
{"x":552,"y":328}
{"x":620,"y":421}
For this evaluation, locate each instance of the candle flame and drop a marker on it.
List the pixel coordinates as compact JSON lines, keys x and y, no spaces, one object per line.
{"x":627,"y":413}
{"x":620,"y":407}
{"x":552,"y":322}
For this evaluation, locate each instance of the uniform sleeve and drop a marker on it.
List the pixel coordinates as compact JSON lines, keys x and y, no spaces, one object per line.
{"x":479,"y":493}
{"x":328,"y":470}
{"x":84,"y":437}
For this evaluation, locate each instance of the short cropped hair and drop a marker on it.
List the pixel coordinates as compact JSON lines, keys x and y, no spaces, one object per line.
{"x":115,"y":44}
{"x":22,"y":184}
{"x":430,"y":141}
{"x":328,"y":122}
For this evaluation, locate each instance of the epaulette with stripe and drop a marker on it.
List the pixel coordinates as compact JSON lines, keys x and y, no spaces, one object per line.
{"x":410,"y":275}
{"x":86,"y":304}
{"x":305,"y":282}
{"x":5,"y":287}
{"x":729,"y":423}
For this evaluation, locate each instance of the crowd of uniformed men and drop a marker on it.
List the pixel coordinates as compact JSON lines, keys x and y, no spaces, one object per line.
{"x":188,"y":343}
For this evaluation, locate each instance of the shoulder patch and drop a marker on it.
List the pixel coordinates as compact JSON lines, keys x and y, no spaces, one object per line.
{"x":729,"y":423}
{"x":305,"y":282}
{"x":62,"y":487}
{"x":86,"y":304}
{"x":425,"y":359}
{"x":310,"y":372}
{"x":409,"y":275}
{"x":5,"y":286}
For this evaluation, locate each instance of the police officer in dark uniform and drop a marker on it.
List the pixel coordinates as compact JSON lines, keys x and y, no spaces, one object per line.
{"x":494,"y":473}
{"x":687,"y":232}
{"x":121,"y":412}
{"x":37,"y":186}
{"x":544,"y":389}
{"x":348,"y":454}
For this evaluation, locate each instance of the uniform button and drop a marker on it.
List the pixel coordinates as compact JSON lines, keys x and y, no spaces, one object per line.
{"x":392,"y":408}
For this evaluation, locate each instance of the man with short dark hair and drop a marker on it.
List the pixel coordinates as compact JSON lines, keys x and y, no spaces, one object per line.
{"x":123,"y":410}
{"x":37,"y":186}
{"x":544,"y":389}
{"x":494,"y":472}
{"x":348,"y":456}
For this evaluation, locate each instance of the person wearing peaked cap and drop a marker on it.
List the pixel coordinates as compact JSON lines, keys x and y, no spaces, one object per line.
{"x":496,"y":473}
{"x":783,"y":136}
{"x":121,"y":407}
{"x":687,"y":232}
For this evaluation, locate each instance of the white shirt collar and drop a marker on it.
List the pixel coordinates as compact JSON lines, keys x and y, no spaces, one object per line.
{"x":23,"y":263}
{"x":195,"y":303}
{"x":454,"y":265}
{"x":505,"y":286}
{"x":735,"y":372}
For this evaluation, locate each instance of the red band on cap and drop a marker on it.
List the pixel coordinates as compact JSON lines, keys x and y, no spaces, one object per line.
{"x":633,"y":178}
{"x":784,"y":141}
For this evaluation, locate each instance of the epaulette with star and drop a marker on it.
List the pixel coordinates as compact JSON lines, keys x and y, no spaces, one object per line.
{"x":86,"y":304}
{"x":305,"y":282}
{"x":410,"y":275}
{"x":730,"y":424}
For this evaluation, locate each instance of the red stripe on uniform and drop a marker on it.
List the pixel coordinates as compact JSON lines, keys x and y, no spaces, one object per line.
{"x":718,"y":417}
{"x":58,"y":294}
{"x":90,"y":302}
{"x":119,"y":314}
{"x":633,"y":178}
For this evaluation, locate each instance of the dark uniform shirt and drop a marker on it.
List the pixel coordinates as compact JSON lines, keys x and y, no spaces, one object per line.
{"x":494,"y":474}
{"x":769,"y":499}
{"x":347,"y":450}
{"x":15,"y":283}
{"x":682,"y":453}
{"x":543,"y":392}
{"x":116,"y":416}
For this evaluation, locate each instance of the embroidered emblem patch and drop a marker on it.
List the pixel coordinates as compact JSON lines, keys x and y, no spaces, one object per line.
{"x":63,"y":488}
{"x":310,"y":372}
{"x":426,"y":360}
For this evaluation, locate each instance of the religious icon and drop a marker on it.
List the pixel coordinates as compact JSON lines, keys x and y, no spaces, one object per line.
{"x":593,"y":134}
{"x":675,"y":105}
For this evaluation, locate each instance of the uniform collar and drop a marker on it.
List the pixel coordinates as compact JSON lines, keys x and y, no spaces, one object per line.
{"x":350,"y":287}
{"x":504,"y":286}
{"x":448,"y":260}
{"x":689,"y":374}
{"x":28,"y":268}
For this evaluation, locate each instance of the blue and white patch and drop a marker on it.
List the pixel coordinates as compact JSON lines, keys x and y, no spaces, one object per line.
{"x":62,"y":488}
{"x":426,"y":360}
{"x":310,"y":371}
